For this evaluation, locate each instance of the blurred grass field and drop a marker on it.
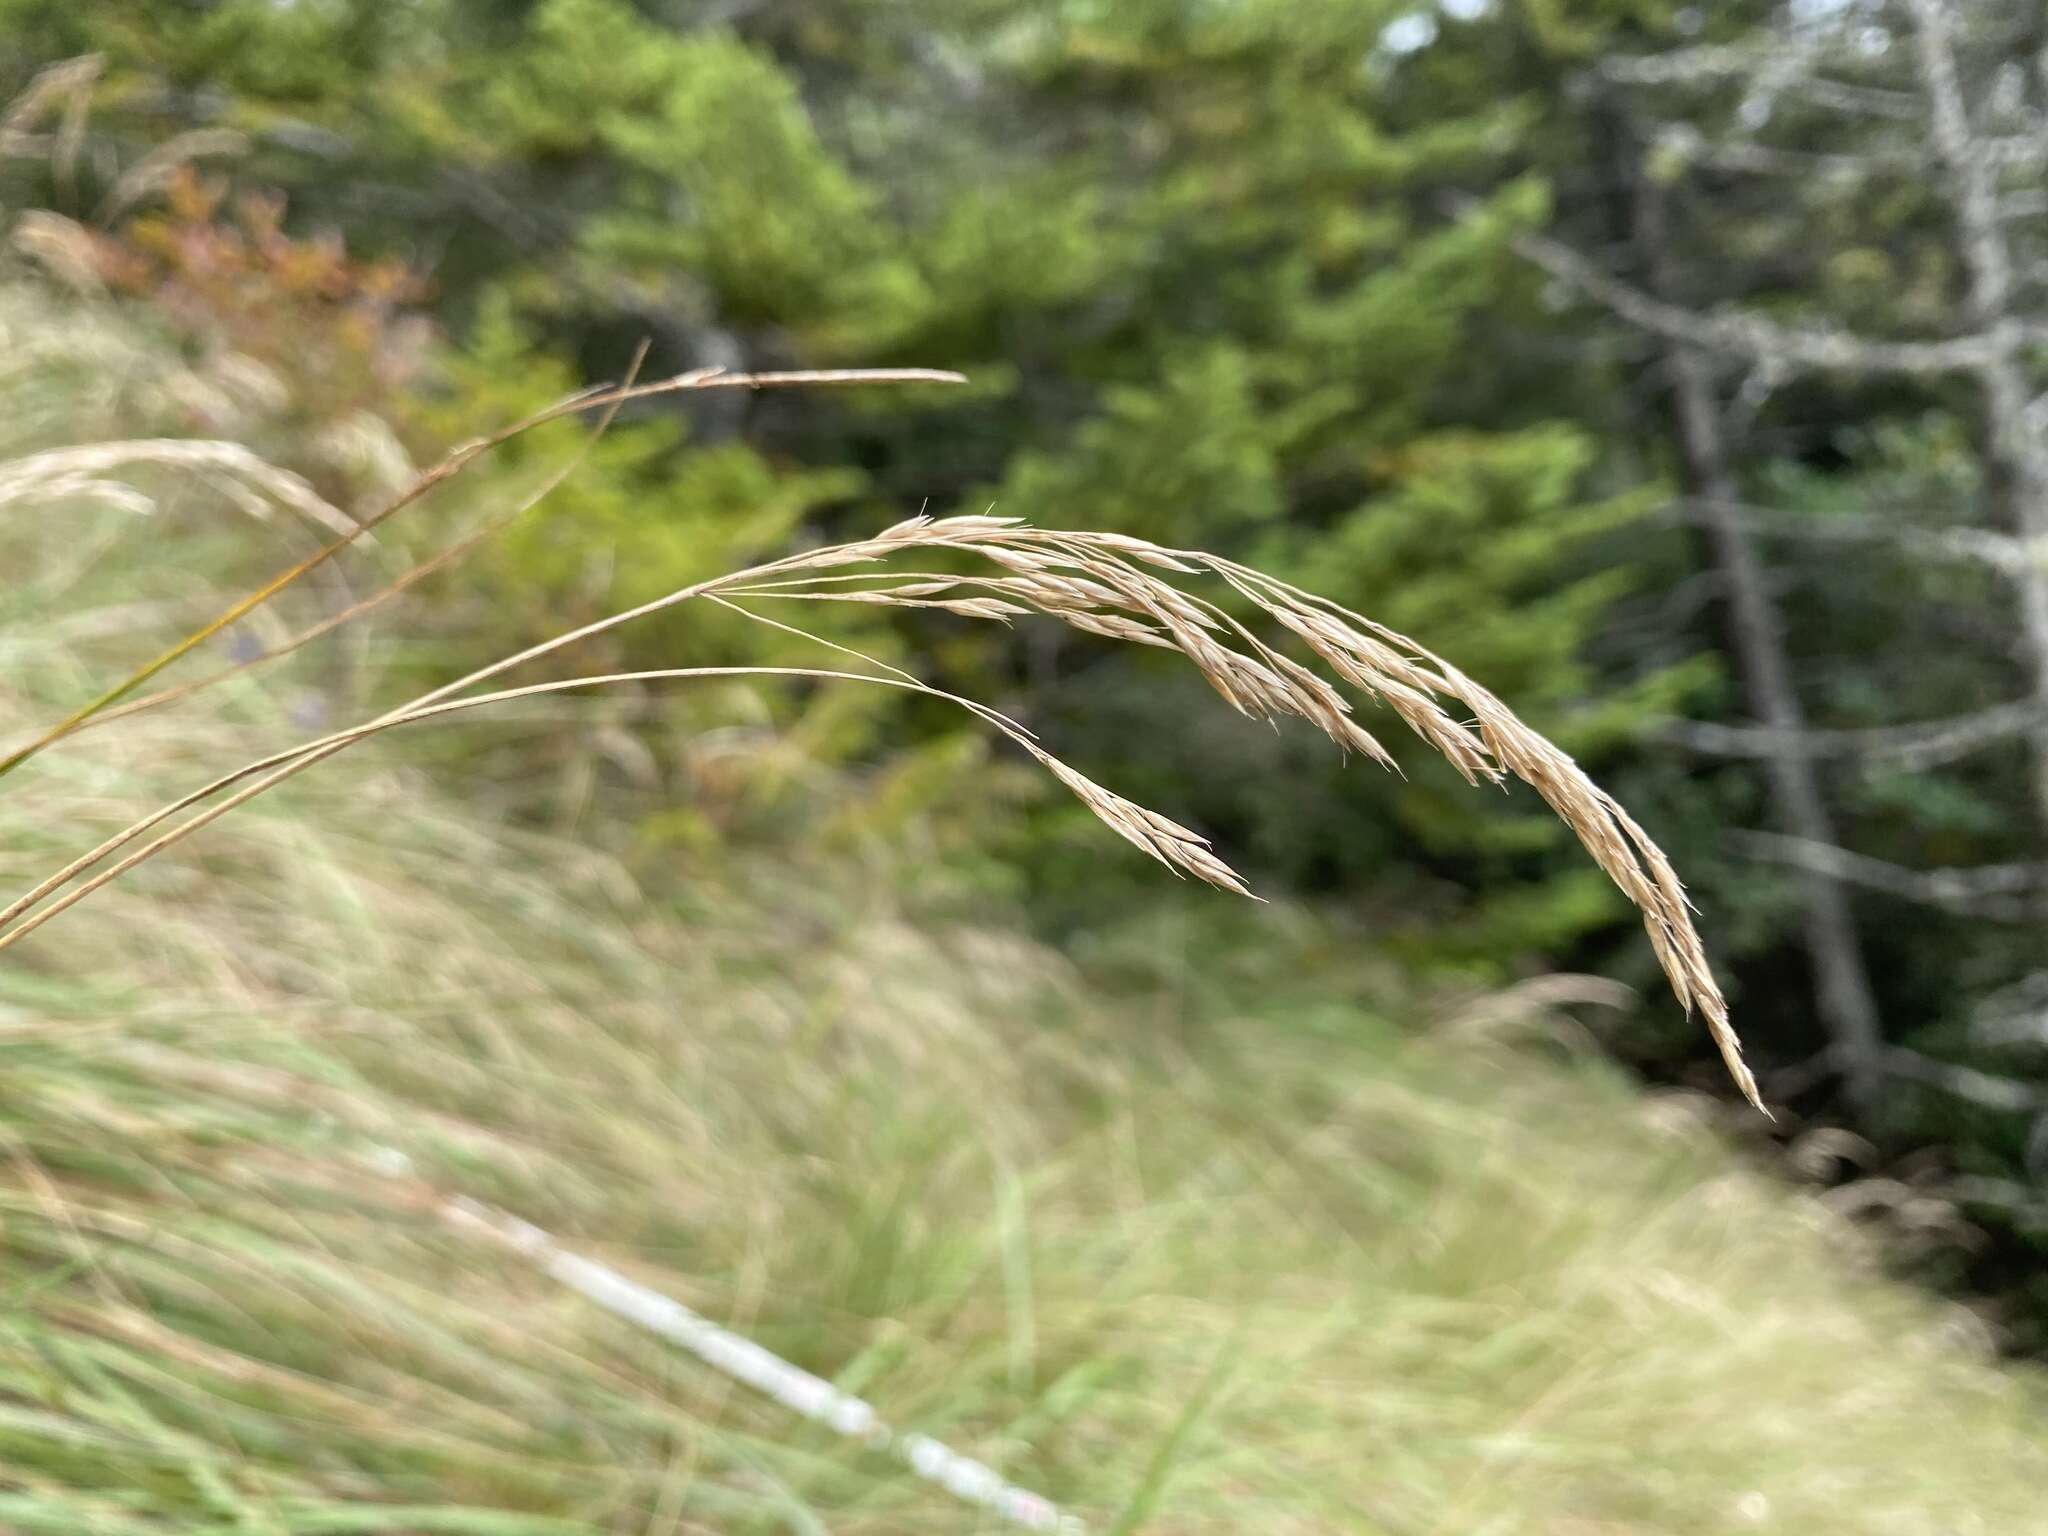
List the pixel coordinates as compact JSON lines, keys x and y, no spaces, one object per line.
{"x":1166,"y":1229}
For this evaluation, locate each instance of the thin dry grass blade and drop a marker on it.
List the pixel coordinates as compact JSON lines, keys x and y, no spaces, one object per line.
{"x":245,"y":477}
{"x":279,"y":766}
{"x":439,"y":561}
{"x":458,"y":460}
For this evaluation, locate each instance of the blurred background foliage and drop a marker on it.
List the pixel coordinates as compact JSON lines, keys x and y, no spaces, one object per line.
{"x":1238,"y":274}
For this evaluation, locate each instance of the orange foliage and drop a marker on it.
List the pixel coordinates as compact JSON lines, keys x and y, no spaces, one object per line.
{"x":334,"y":332}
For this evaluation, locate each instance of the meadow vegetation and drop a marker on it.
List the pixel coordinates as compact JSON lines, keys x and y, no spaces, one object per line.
{"x":778,"y":948}
{"x":1214,"y":1220}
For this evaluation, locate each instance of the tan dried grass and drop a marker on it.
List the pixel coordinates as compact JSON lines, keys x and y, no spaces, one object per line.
{"x":246,"y":480}
{"x":67,"y":84}
{"x":1105,"y":584}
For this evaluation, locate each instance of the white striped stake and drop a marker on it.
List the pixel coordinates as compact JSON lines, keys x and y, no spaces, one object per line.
{"x":745,"y":1361}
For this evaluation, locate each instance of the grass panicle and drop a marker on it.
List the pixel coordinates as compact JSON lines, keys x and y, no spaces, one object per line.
{"x":1104,"y":584}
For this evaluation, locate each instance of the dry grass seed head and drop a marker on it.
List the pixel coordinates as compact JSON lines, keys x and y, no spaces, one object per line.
{"x":1109,"y":585}
{"x":1091,"y":582}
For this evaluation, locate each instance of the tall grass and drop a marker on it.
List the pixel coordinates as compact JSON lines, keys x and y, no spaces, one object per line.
{"x":1104,"y":584}
{"x":1193,"y":1256}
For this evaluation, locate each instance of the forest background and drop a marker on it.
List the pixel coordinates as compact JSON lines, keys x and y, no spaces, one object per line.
{"x":1678,"y":370}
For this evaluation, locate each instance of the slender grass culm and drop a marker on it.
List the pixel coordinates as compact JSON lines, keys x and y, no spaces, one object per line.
{"x":1103,"y":583}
